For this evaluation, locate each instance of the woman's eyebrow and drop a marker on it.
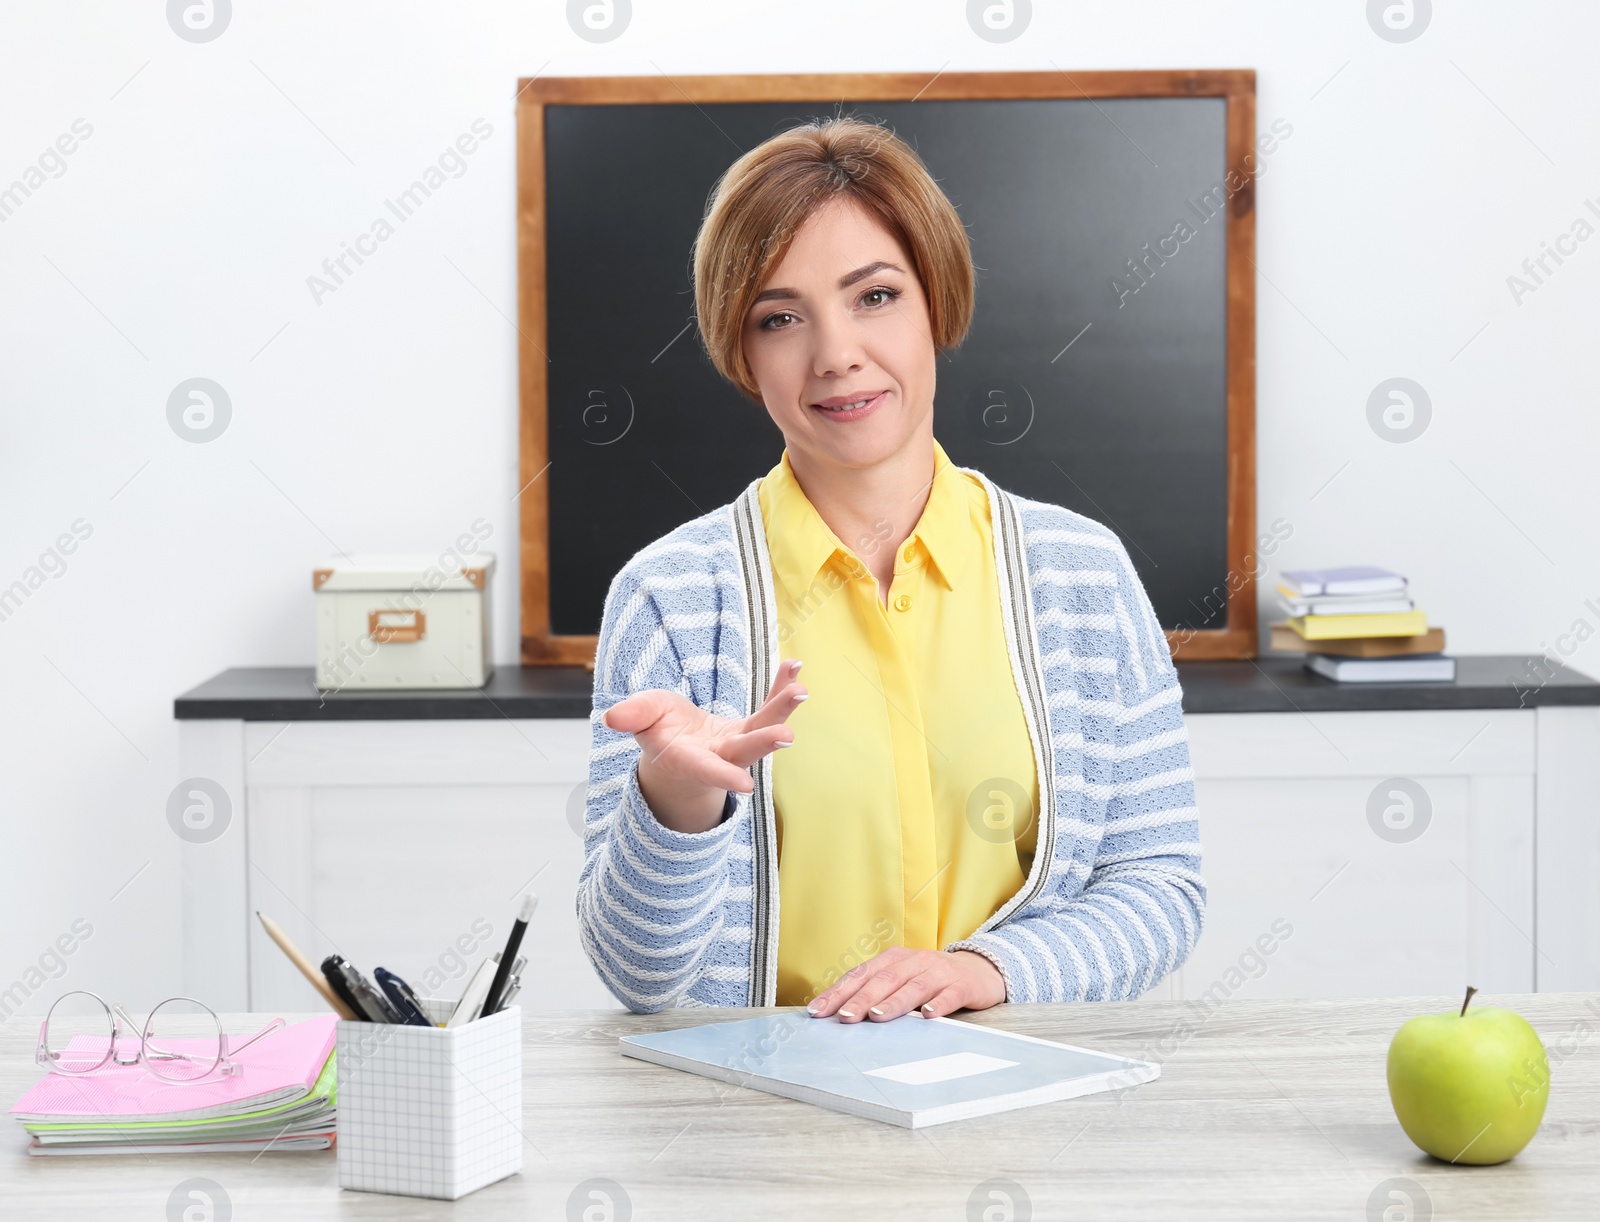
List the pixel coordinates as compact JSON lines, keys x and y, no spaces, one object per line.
{"x":845,"y":281}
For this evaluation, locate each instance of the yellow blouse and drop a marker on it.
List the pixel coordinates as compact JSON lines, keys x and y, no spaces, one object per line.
{"x":905,"y":806}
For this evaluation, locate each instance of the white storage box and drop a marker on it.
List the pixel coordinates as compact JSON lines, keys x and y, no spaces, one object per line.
{"x":430,"y":1111}
{"x":403,"y":622}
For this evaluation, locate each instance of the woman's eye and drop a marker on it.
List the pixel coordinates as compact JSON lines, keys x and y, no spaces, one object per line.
{"x":873,"y":298}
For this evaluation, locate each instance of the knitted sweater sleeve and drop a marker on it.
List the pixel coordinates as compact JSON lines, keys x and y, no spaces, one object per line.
{"x":1139,"y":912}
{"x":649,"y":898}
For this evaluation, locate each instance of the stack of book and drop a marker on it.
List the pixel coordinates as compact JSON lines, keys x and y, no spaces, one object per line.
{"x":1359,"y":625}
{"x":283,"y":1100}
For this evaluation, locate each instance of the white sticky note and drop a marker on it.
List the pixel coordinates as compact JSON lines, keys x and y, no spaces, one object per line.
{"x":940,"y":1069}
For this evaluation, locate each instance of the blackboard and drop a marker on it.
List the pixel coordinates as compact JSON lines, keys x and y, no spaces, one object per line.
{"x":1095,"y":375}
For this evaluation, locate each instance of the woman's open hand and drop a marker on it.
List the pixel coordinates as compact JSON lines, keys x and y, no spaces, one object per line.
{"x":690,"y":758}
{"x":899,"y":980}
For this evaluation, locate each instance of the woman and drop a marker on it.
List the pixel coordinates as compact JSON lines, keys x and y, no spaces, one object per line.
{"x":974,"y":659}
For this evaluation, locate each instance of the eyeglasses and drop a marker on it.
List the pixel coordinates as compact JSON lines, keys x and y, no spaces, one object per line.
{"x":181,"y":1041}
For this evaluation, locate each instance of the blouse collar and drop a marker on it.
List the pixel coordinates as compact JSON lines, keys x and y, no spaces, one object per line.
{"x":802,"y":543}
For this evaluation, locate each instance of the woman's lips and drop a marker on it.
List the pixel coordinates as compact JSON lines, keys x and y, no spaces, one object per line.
{"x":845,"y":415}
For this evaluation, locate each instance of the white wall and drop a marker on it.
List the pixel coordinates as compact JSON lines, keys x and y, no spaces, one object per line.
{"x":218,"y":176}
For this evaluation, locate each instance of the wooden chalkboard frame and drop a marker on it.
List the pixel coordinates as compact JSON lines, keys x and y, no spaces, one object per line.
{"x":1237,"y":86}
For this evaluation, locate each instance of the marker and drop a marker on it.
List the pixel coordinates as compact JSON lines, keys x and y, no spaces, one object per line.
{"x":306,"y":970}
{"x":508,"y":957}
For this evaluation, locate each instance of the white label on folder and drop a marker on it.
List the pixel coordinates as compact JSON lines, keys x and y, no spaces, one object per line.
{"x":940,"y":1069}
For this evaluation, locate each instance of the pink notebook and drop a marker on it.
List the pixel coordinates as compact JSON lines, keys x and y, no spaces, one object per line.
{"x":279,"y":1068}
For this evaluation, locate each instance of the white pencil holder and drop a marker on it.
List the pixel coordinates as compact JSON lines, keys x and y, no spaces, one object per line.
{"x":430,"y":1111}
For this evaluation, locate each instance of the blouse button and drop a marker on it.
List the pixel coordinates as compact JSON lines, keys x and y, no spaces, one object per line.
{"x":910,"y":553}
{"x":903,"y":603}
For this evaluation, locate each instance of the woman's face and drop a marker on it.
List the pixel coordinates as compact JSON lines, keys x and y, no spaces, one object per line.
{"x":843,"y":319}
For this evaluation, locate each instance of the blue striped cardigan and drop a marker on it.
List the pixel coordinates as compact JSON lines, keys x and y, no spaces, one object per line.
{"x":1114,"y":900}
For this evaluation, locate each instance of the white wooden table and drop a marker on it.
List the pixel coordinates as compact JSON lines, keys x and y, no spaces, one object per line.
{"x":1264,"y":1109}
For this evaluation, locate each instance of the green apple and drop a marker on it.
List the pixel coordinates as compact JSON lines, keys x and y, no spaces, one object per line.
{"x":1469,"y":1088}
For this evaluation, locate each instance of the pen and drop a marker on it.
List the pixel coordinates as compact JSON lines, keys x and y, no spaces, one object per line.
{"x":471,"y":1004}
{"x":401,"y":997}
{"x":304,"y":964}
{"x":508,"y":956}
{"x":513,"y":983}
{"x":358,"y":991}
{"x":341,"y":990}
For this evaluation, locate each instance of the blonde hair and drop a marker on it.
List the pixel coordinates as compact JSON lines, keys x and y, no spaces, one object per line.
{"x":765,"y":196}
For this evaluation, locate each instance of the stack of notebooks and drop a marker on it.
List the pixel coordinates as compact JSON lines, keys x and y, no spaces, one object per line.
{"x":284,"y":1100}
{"x":1359,"y":625}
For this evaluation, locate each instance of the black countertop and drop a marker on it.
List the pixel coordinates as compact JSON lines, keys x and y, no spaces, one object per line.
{"x":1278,"y":683}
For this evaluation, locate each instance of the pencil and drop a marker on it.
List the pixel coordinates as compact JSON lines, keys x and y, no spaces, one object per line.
{"x":318,"y":981}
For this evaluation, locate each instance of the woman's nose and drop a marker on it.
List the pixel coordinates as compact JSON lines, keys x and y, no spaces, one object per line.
{"x":838,"y":347}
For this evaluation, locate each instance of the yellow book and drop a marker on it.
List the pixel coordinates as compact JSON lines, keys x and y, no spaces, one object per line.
{"x":1338,"y":627}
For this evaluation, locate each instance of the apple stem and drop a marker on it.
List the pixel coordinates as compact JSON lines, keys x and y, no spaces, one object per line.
{"x":1467,"y":1001}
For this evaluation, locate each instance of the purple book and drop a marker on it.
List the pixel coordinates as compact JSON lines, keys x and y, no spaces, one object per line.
{"x":1352,"y":579}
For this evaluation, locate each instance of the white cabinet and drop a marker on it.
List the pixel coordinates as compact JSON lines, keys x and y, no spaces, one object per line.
{"x":1397,"y":848}
{"x":400,"y":843}
{"x":405,"y":844}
